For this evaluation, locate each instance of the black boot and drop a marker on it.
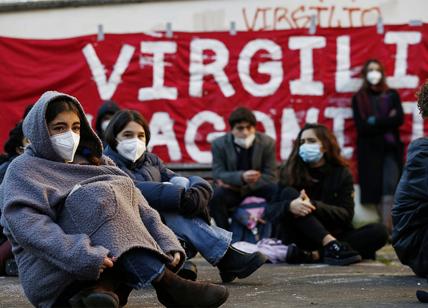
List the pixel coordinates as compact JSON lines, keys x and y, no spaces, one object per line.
{"x":94,"y":297}
{"x":189,"y":271}
{"x":295,"y":255}
{"x":236,"y":263}
{"x":337,"y":253}
{"x":174,"y":291}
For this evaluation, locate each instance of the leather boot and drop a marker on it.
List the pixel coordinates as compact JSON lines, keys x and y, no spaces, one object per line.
{"x":174,"y":291}
{"x":236,"y":263}
{"x":189,"y":271}
{"x":102,"y":294}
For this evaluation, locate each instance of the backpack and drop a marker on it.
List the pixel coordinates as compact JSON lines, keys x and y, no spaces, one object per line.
{"x":247,"y":221}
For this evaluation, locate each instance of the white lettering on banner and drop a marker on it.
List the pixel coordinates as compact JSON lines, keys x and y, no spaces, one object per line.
{"x":158,"y":90}
{"x":272,"y":68}
{"x":106,"y":88}
{"x":306,"y":84}
{"x":403,"y":39}
{"x":290,"y":128}
{"x":162,"y":133}
{"x":198,"y":69}
{"x":339,"y":115}
{"x":192,"y":130}
{"x":312,"y":115}
{"x":89,"y":117}
{"x":267,"y":123}
{"x":344,"y":80}
{"x":418,"y":122}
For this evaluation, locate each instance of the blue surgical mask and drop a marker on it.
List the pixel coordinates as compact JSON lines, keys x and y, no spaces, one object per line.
{"x":310,"y":152}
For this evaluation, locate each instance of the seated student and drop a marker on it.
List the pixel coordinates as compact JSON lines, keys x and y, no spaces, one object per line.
{"x":182,"y":202}
{"x":82,"y":233}
{"x":104,"y":115}
{"x":409,"y":214}
{"x":244,"y":165}
{"x":316,"y":201}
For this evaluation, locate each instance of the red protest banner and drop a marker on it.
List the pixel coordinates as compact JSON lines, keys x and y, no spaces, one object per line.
{"x":187,"y":85}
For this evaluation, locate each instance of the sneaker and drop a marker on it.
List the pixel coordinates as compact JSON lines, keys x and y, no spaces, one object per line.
{"x":295,"y":255}
{"x":189,"y":271}
{"x":337,"y":253}
{"x":11,"y":268}
{"x":236,"y":263}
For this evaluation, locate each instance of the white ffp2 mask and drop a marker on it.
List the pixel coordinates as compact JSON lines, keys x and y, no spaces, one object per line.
{"x":374,"y":77}
{"x":131,"y":149}
{"x":66,"y":144}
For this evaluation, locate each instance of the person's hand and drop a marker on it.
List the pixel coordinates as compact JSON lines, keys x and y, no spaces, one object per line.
{"x":107,"y":263}
{"x":175,"y":260}
{"x":301,"y":206}
{"x":251,"y":176}
{"x":371,"y":120}
{"x":392,"y":113}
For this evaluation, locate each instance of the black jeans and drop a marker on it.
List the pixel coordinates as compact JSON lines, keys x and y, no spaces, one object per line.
{"x":308,"y":232}
{"x":226,"y":200}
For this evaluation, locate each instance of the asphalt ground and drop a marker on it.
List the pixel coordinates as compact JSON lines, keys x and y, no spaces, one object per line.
{"x":381,"y":283}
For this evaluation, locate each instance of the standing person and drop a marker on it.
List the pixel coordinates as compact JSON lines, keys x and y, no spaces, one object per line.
{"x":244,"y":165}
{"x":104,"y":115}
{"x":378,"y":114}
{"x":409,"y":214}
{"x":315,"y":202}
{"x":182,"y":202}
{"x":82,"y":233}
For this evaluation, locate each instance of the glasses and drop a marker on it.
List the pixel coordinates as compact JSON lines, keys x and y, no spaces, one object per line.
{"x":242,"y":127}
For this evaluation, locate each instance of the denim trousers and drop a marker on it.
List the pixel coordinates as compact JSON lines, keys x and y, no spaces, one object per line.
{"x":210,"y":241}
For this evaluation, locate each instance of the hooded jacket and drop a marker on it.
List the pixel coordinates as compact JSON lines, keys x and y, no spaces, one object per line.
{"x":410,"y":211}
{"x":63,"y":219}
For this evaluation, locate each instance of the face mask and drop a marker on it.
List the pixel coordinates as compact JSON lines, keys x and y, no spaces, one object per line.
{"x":66,"y":144}
{"x":131,"y":149}
{"x":310,"y":153}
{"x":104,"y":125}
{"x":245,"y":142}
{"x":374,"y":77}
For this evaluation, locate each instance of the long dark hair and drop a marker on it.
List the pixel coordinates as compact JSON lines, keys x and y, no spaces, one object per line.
{"x":62,"y":104}
{"x":295,"y":171}
{"x":118,"y":123}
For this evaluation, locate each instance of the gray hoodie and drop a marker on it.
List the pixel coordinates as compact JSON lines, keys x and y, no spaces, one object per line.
{"x":63,"y":219}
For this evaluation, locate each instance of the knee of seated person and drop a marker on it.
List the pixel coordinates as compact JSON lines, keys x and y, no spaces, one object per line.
{"x":289,"y":193}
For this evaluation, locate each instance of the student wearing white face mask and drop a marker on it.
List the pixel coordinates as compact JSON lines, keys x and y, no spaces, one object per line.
{"x":244,"y":164}
{"x":315,"y":203}
{"x":182,"y":202}
{"x":378,"y":114}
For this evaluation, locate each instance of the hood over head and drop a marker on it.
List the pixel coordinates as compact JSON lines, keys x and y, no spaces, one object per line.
{"x":36,"y":129}
{"x":108,"y":107}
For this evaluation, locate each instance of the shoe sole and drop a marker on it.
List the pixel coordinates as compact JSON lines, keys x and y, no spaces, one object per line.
{"x":100,"y":300}
{"x":257,"y":261}
{"x":342,"y":262}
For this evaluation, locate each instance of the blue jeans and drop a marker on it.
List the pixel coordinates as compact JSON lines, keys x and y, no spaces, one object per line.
{"x":141,"y":267}
{"x":210,"y":241}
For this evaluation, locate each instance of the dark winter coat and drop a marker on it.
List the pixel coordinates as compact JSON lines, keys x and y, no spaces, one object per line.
{"x":410,"y":211}
{"x":64,"y":218}
{"x":149,"y":172}
{"x":225,"y":162}
{"x":371,"y":145}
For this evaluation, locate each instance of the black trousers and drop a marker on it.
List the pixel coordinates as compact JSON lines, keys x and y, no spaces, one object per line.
{"x":226,"y":200}
{"x":419,"y":263}
{"x":308,"y":232}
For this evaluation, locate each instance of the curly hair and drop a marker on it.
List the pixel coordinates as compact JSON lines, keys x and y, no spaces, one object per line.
{"x":422,"y":96}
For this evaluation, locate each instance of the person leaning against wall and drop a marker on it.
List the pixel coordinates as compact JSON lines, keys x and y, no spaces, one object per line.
{"x":244,"y":164}
{"x":378,"y":114}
